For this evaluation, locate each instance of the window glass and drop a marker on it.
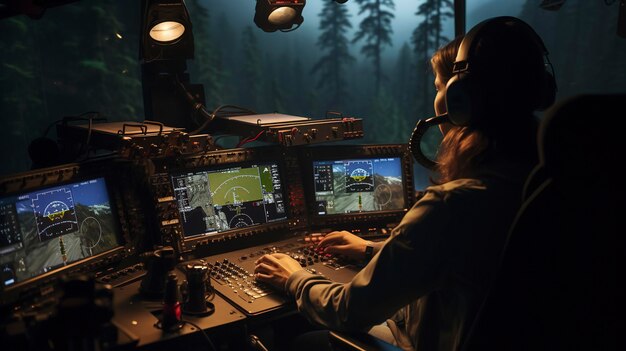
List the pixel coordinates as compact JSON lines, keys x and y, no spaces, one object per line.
{"x":83,"y":57}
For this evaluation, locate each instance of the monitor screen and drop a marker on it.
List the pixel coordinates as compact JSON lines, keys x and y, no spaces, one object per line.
{"x":216,"y":200}
{"x":49,"y":228}
{"x":358,"y":185}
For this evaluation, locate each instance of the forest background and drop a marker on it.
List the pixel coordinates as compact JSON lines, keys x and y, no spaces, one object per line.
{"x":366,"y":59}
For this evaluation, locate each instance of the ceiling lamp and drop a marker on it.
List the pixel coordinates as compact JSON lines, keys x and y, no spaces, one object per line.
{"x":167,"y":33}
{"x":283,"y":15}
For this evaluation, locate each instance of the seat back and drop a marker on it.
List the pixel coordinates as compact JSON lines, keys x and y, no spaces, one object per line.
{"x":556,"y":287}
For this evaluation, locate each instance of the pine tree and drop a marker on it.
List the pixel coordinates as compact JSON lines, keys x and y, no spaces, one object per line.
{"x":403,"y":88}
{"x":120,"y":55}
{"x":107,"y":78}
{"x":225,"y":45}
{"x":273,"y":97}
{"x":376,"y":29}
{"x":334,"y":43}
{"x":443,"y":12}
{"x":204,"y":68}
{"x":298,"y":99}
{"x":81,"y":58}
{"x":250,"y":89}
{"x":427,"y":38}
{"x":21,"y":98}
{"x":391,"y":125}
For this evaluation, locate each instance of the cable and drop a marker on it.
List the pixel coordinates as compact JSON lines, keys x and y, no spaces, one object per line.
{"x":76,"y":117}
{"x":201,"y":109}
{"x":47,"y":130}
{"x":215,"y":112}
{"x":84,"y":148}
{"x":211,"y":345}
{"x":245,"y":141}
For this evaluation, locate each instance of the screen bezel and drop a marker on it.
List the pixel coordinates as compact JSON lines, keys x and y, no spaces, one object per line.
{"x":227,"y":165}
{"x":354,"y":152}
{"x":77,"y":176}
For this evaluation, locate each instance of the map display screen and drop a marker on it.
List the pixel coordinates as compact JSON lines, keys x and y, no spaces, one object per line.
{"x":212,"y":201}
{"x":49,"y":228}
{"x":358,"y":185}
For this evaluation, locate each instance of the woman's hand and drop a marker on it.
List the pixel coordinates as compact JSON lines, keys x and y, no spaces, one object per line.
{"x":344,"y":243}
{"x":275,"y":269}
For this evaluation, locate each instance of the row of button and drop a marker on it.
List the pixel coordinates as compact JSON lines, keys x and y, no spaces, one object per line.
{"x":239,"y":280}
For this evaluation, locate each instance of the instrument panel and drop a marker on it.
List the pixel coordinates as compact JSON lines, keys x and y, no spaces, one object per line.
{"x":223,"y":208}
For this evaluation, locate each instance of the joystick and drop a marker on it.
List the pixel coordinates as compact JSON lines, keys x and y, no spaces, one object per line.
{"x":171,"y":318}
{"x":197,"y":290}
{"x":158,"y":263}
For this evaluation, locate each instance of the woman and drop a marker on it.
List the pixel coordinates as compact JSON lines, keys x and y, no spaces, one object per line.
{"x":427,"y":281}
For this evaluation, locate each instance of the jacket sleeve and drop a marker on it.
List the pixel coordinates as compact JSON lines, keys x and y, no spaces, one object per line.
{"x":409,"y":265}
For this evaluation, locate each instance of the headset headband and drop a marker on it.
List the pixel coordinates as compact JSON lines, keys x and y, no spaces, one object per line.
{"x":461,"y":63}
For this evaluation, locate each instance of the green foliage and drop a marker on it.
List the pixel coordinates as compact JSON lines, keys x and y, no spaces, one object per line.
{"x":20,"y":103}
{"x":71,"y":61}
{"x":391,"y":126}
{"x":250,"y":90}
{"x":334,"y":43}
{"x":97,"y":65}
{"x":205,"y":68}
{"x":83,"y":57}
{"x":376,"y":29}
{"x":426,"y":39}
{"x":21,"y":72}
{"x":403,"y":79}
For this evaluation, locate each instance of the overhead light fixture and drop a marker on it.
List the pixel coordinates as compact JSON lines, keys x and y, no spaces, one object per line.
{"x":167,"y":33}
{"x":283,"y":15}
{"x":166,"y":45}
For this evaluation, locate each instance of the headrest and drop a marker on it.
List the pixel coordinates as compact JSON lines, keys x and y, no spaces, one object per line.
{"x":580,"y":138}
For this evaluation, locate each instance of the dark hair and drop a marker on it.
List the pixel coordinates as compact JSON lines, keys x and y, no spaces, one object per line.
{"x":509,"y":67}
{"x":461,"y":148}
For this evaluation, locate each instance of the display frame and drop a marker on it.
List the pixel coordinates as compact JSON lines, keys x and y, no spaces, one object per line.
{"x":354,"y":152}
{"x":286,"y":160}
{"x":216,"y":168}
{"x":28,"y":182}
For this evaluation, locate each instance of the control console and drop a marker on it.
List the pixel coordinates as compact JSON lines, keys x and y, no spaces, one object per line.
{"x":232,"y":273}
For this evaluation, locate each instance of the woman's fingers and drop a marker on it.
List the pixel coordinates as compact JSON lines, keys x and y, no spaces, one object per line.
{"x":268,"y":259}
{"x":263,"y":267}
{"x":263,"y":277}
{"x":338,"y":249}
{"x":331,"y":239}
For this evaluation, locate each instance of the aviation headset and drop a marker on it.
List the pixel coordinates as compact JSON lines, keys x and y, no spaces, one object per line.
{"x":462,"y":101}
{"x":459,"y":102}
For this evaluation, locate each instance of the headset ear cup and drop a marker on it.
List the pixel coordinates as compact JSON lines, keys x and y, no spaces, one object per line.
{"x":548,"y":93}
{"x":458,"y":100}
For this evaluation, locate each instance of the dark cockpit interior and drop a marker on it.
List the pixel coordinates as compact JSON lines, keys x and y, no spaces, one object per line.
{"x":156,"y":152}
